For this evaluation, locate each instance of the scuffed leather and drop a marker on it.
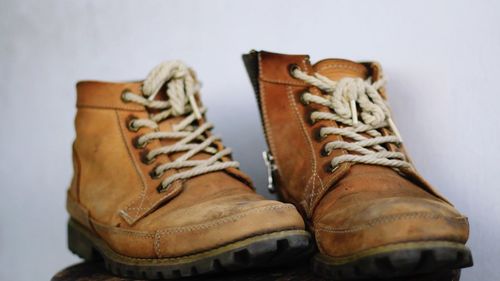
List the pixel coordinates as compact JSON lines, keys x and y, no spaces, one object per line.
{"x":356,"y":207}
{"x":114,"y":196}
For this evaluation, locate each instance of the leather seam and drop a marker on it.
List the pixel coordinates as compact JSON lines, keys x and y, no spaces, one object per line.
{"x":182,"y":229}
{"x":157,"y":246}
{"x":389,"y":219}
{"x":222,"y":220}
{"x":282,"y":82}
{"x":340,"y":66}
{"x":113,"y":230}
{"x":108,"y":107}
{"x":318,"y":238}
{"x":314,"y":169}
{"x":129,"y":153}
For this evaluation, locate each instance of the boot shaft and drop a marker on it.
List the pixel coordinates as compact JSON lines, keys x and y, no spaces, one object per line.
{"x":107,"y":173}
{"x":117,"y":152}
{"x":303,"y":170}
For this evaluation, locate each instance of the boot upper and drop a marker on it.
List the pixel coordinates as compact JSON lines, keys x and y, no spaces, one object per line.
{"x":121,"y":189}
{"x":353,"y":195}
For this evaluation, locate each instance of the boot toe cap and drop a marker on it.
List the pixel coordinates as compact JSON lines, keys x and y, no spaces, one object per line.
{"x":259,"y":220}
{"x":202,"y":229}
{"x":381,"y":222}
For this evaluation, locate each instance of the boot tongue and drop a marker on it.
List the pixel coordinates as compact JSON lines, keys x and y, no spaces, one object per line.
{"x":336,"y":69}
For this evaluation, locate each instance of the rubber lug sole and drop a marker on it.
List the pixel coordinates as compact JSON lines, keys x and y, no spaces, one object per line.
{"x":265,"y":250}
{"x":397,"y":260}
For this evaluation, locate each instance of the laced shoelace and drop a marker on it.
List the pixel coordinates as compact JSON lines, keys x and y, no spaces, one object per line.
{"x":343,"y":98}
{"x":181,"y":88}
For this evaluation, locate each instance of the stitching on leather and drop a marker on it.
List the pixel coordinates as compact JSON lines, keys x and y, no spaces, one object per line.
{"x":314,"y":173}
{"x":137,"y":208}
{"x":143,"y":197}
{"x":190,"y":228}
{"x":221,"y":221}
{"x":279,"y":81}
{"x":123,"y":213}
{"x":291,"y":101}
{"x":317,"y":235}
{"x":265,"y":115}
{"x":340,"y":66}
{"x":332,"y":177}
{"x":197,"y":254}
{"x":304,"y":194}
{"x":388,"y":219}
{"x":283,"y":82}
{"x":152,"y":203}
{"x":129,"y":153}
{"x":157,"y":244}
{"x":111,"y":229}
{"x":108,"y":107}
{"x":320,"y":190}
{"x":313,"y":193}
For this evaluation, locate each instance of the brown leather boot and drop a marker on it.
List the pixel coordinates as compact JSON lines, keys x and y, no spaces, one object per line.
{"x":157,"y":195}
{"x":336,"y":154}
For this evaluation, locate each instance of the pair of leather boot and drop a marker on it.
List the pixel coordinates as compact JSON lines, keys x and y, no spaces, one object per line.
{"x":157,"y":195}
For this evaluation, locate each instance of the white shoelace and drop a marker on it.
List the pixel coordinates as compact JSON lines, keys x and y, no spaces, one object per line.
{"x":181,"y":90}
{"x":343,"y":97}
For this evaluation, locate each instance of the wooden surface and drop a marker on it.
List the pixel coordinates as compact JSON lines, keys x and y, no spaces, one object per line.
{"x":95,"y":272}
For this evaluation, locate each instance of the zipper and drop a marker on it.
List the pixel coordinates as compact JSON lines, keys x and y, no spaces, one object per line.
{"x":271,"y":168}
{"x":253,"y":70}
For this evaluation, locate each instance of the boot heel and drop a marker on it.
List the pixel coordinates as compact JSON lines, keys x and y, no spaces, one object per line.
{"x":79,"y":244}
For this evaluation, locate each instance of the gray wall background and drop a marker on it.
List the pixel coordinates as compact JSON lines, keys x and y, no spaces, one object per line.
{"x":441,"y":57}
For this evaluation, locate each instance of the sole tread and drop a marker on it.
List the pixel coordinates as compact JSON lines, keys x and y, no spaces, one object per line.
{"x":396,"y":263}
{"x":264,"y":251}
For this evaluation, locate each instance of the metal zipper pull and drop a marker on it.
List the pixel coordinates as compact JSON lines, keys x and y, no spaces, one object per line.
{"x":271,"y":167}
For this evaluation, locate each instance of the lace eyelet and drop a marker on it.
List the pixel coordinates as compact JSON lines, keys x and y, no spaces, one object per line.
{"x":291,"y":68}
{"x":325,"y":153}
{"x":318,"y":135}
{"x":145,"y":159}
{"x":155,"y":175}
{"x":131,"y":127}
{"x":303,"y":100}
{"x":122,"y":96}
{"x":138,"y":144}
{"x":330,"y":169}
{"x":311,"y":121}
{"x":161,"y":188}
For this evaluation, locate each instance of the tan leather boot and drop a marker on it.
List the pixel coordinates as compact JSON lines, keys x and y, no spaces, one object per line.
{"x":336,"y":154}
{"x":157,"y":195}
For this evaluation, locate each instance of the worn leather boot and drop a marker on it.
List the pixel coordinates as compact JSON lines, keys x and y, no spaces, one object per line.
{"x":157,"y":195}
{"x":336,"y":154}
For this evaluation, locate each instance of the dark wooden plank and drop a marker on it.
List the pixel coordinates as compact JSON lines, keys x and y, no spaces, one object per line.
{"x":95,"y":272}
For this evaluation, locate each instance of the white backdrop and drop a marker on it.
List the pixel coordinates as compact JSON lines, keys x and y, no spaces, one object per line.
{"x":441,"y":57}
